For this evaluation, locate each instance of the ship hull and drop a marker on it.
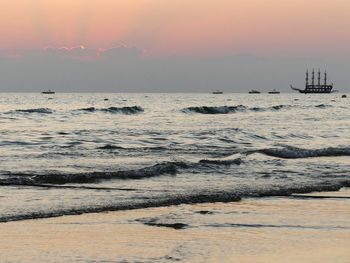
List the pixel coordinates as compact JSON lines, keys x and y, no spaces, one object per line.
{"x":315,"y":92}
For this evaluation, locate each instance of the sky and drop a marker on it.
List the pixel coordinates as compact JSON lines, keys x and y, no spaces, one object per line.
{"x":171,"y":45}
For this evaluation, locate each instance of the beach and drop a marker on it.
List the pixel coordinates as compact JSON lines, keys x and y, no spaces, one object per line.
{"x":311,"y":228}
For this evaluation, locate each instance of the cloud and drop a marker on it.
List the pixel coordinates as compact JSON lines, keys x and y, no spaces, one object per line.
{"x":67,"y":69}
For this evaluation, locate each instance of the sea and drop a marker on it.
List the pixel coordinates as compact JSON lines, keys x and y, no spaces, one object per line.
{"x":76,"y":153}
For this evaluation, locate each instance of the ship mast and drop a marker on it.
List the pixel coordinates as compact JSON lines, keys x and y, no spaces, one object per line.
{"x":313,"y":77}
{"x":307,"y":78}
{"x":319,"y":78}
{"x":325,"y":78}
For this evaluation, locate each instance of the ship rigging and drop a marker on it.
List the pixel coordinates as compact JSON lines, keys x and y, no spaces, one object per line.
{"x":315,"y":88}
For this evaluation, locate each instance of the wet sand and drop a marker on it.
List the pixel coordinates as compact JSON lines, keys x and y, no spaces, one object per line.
{"x":314,"y":228}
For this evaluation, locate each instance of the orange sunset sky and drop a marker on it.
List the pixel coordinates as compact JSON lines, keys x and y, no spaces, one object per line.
{"x":185,"y":27}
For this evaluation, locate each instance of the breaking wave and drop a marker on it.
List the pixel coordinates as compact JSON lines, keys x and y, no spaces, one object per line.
{"x":237,"y":161}
{"x":188,"y":198}
{"x":61,"y":178}
{"x":290,"y":152}
{"x":166,"y":168}
{"x":215,"y":110}
{"x":272,"y":108}
{"x":241,"y":108}
{"x":123,"y":110}
{"x":148,"y":203}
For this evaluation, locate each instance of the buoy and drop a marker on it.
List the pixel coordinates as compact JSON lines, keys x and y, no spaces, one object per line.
{"x":343,"y":96}
{"x":106,"y":99}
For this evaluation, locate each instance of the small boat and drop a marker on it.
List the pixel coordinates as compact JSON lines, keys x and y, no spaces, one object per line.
{"x":274,"y":92}
{"x":48,"y":92}
{"x":217,"y":92}
{"x":253,"y":91}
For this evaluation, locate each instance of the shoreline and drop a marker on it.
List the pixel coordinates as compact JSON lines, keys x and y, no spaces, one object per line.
{"x":306,"y":228}
{"x":210,"y":198}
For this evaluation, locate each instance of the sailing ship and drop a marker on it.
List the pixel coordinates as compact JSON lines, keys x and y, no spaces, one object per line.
{"x":315,"y":88}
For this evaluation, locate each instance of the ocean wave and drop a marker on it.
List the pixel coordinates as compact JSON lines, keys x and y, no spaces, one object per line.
{"x":123,"y":110}
{"x":302,"y":189}
{"x":110,"y":147}
{"x":242,"y":108}
{"x":279,"y":107}
{"x":272,"y":108}
{"x":322,"y":106}
{"x":62,"y":178}
{"x":195,"y":198}
{"x":223,"y":196}
{"x":88,"y":109}
{"x":232,"y":109}
{"x":290,"y":152}
{"x":36,"y":110}
{"x":165,"y":168}
{"x":237,"y":161}
{"x":215,"y":110}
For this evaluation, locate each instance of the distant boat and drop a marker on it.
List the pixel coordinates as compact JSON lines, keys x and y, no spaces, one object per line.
{"x":274,"y":92}
{"x":217,"y":92}
{"x":315,"y":88}
{"x":253,"y":91}
{"x":48,"y":92}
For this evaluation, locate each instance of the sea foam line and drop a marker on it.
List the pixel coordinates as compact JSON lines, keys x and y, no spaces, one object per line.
{"x":179,"y":199}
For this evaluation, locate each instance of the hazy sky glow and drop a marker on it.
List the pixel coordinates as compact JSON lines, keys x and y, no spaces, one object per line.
{"x":171,"y":45}
{"x":167,"y":27}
